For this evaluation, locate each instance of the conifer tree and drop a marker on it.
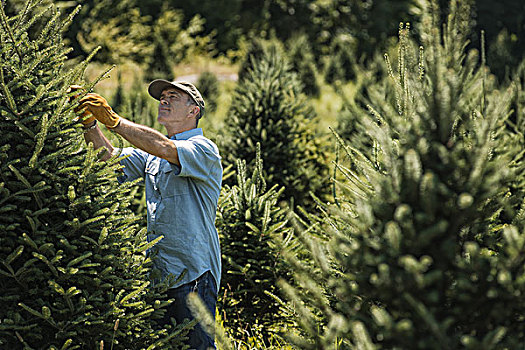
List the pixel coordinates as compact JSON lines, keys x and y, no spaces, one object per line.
{"x":268,"y":107}
{"x":208,"y":85}
{"x":302,"y":62}
{"x":418,"y":258}
{"x":256,"y":49}
{"x":341,"y":61}
{"x":73,"y":270}
{"x":119,"y":28}
{"x":373,"y":73}
{"x":250,"y":224}
{"x":163,"y":33}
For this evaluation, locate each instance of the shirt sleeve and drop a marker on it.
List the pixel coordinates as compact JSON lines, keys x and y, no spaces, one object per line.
{"x":197,"y":158}
{"x":134,"y":162}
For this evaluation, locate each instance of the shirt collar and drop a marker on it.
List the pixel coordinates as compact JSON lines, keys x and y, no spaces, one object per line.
{"x":185,"y":135}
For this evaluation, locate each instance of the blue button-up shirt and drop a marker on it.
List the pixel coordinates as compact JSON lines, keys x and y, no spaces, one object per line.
{"x":181,"y":205}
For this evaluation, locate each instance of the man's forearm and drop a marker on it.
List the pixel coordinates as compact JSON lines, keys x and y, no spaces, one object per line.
{"x":97,"y":138}
{"x":148,"y":140}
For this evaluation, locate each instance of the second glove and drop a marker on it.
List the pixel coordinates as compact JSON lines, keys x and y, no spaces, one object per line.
{"x":100,"y":109}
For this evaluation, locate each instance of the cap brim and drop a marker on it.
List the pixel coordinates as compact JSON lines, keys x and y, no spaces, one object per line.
{"x":156,"y":87}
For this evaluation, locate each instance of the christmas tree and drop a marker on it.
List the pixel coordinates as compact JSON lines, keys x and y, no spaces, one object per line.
{"x":208,"y":85}
{"x":303,"y":64}
{"x":73,"y":272}
{"x":422,"y":253}
{"x":254,"y":232}
{"x":268,"y":107}
{"x":254,"y":52}
{"x":340,"y":66}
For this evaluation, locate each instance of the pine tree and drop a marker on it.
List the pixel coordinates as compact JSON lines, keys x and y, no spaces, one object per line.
{"x":73,"y":270}
{"x":208,"y":85}
{"x":251,"y":224}
{"x":268,"y":107}
{"x":256,"y":49}
{"x":303,"y":64}
{"x":163,"y":31}
{"x":341,"y":61}
{"x":374,"y":73}
{"x":418,"y":256}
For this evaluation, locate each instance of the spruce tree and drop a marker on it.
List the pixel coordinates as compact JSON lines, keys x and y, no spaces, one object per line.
{"x":373,"y":73}
{"x":163,"y":61}
{"x":118,"y":27}
{"x":256,"y":49}
{"x":341,"y":60}
{"x":268,"y":107}
{"x":302,"y":62}
{"x":254,"y":231}
{"x":418,"y":257}
{"x":73,"y":270}
{"x":208,"y":85}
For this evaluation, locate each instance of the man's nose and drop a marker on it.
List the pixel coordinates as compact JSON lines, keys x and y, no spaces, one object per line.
{"x":163,"y":101}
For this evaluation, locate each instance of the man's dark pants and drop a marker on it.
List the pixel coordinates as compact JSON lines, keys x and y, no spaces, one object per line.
{"x":205,"y":287}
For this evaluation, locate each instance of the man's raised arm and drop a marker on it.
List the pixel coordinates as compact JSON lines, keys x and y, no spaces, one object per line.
{"x":141,"y":136}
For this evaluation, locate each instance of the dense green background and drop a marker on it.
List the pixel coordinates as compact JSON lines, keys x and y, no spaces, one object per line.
{"x":370,"y":24}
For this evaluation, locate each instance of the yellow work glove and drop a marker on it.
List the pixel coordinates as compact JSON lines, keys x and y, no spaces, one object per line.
{"x":100,"y":109}
{"x":84,"y":117}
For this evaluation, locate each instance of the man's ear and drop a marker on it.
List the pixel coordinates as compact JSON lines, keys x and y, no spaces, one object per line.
{"x":196,"y":110}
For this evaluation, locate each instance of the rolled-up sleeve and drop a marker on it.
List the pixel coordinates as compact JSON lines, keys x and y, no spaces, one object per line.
{"x":197,"y":158}
{"x":134,"y":162}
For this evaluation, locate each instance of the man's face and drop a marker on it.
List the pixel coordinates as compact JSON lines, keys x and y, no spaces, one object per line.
{"x":174,"y":106}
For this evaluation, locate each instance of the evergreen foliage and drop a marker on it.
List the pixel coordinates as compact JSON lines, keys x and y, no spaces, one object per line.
{"x":419,"y":256}
{"x":256,"y":50}
{"x":356,"y":102}
{"x":238,"y":20}
{"x":208,"y":85}
{"x":302,"y":62}
{"x":341,"y":61}
{"x":120,"y":30}
{"x":172,"y":42}
{"x":268,"y":107}
{"x":504,"y":31}
{"x":73,"y":273}
{"x":513,"y":213}
{"x":135,"y":103}
{"x":250,"y":224}
{"x":227,"y":24}
{"x":129,"y":30}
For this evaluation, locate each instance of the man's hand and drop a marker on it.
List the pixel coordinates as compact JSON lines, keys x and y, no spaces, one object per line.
{"x":85,"y":117}
{"x":100,"y":109}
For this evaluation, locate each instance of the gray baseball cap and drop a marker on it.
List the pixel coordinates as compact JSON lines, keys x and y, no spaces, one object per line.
{"x":156,"y":87}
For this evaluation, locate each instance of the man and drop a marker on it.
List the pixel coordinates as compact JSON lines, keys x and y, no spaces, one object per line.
{"x":182,"y":173}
